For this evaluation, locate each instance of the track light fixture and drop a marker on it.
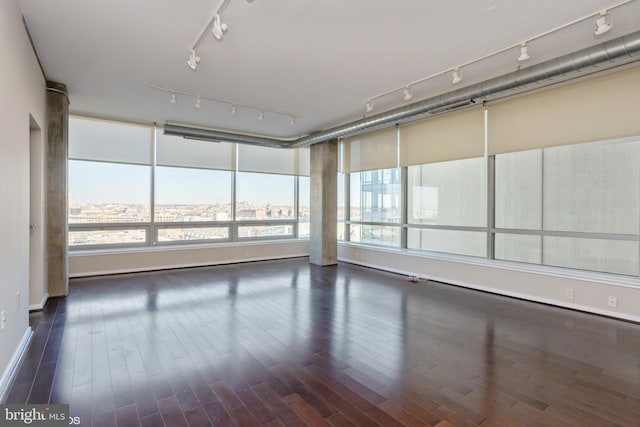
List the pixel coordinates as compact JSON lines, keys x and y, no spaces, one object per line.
{"x":456,"y":76}
{"x":603,"y":23}
{"x":219,"y":28}
{"x":524,"y":52}
{"x":232,"y":105}
{"x":369,"y":106}
{"x":193,"y":60}
{"x":215,"y":26}
{"x":407,"y":94}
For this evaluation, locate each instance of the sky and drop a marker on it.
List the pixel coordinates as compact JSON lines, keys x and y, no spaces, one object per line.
{"x":96,"y":182}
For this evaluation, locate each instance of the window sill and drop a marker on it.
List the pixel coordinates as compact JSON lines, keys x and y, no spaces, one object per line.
{"x":560,"y":272}
{"x":180,"y":247}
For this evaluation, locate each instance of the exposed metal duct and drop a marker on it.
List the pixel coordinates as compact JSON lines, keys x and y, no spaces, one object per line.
{"x":597,"y":58}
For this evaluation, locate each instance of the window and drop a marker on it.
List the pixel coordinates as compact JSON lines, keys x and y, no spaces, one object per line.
{"x":446,"y":207}
{"x":187,"y":195}
{"x":375,"y":202}
{"x":110,"y":188}
{"x":108,"y":192}
{"x":262,"y":196}
{"x":574,"y":206}
{"x":341,"y":207}
{"x":180,"y":234}
{"x":304,"y":208}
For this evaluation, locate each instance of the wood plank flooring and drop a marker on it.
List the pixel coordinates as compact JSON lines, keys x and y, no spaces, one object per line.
{"x":285,"y":343}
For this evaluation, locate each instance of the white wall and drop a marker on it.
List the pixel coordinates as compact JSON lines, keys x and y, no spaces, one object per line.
{"x":536,"y":283}
{"x":37,"y":244}
{"x":23,"y":94}
{"x":89,"y":263}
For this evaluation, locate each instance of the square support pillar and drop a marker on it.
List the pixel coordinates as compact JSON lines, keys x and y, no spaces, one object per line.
{"x":323,"y":242}
{"x":56,"y":217}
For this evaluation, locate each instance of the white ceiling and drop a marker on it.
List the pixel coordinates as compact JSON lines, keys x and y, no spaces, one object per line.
{"x":319,"y":59}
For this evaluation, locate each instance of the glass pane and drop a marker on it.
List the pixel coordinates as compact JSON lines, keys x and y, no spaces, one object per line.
{"x":592,"y":187}
{"x":250,"y":231}
{"x":106,"y":237}
{"x":264,"y":196}
{"x":184,"y":194}
{"x":375,"y":196}
{"x":341,"y":192}
{"x":448,"y":193}
{"x":304,"y":208}
{"x":518,"y":247}
{"x":108,"y":192}
{"x":194,"y":233}
{"x":341,"y":227}
{"x":375,"y":234}
{"x":610,"y":256}
{"x":518,"y":190}
{"x":451,"y":241}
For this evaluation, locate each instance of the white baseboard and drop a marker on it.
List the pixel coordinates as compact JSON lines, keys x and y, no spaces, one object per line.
{"x":184,"y":265}
{"x":528,"y":297}
{"x":14,"y":364}
{"x":34,"y":307}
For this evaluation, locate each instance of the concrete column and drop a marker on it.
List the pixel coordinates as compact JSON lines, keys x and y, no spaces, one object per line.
{"x":323,"y":243}
{"x":56,"y":217}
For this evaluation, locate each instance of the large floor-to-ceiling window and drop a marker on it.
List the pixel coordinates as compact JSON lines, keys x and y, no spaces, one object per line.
{"x":551,"y":179}
{"x":130,"y":185}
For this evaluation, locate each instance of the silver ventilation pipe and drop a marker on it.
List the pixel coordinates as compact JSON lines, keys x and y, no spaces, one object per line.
{"x":613,"y":53}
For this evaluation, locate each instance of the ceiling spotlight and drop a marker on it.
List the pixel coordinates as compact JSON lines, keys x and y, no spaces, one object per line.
{"x":261,"y":115}
{"x":292,"y":121}
{"x":603,"y":23}
{"x":193,"y":60}
{"x":456,"y":76}
{"x":369,"y":106}
{"x":219,"y":28}
{"x":198,"y":103}
{"x":234,"y":109}
{"x":407,"y":94}
{"x":524,"y":52}
{"x":172,"y":98}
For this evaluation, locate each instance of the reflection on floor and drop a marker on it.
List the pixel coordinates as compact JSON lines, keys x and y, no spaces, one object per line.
{"x":287,"y":343}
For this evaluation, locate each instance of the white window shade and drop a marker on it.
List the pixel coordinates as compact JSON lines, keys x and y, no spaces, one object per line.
{"x":91,"y":139}
{"x":372,"y":151}
{"x":601,"y":108}
{"x":253,"y":158}
{"x":454,"y":136}
{"x":304,"y":161}
{"x":178,"y":151}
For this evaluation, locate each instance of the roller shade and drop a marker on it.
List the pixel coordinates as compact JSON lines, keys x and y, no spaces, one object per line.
{"x":177,"y":151}
{"x":377,"y":150}
{"x":304,"y":161}
{"x":453,"y":136}
{"x":91,"y":139}
{"x":601,"y":108}
{"x":253,"y":158}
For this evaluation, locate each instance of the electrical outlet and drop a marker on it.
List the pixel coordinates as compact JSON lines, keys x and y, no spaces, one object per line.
{"x":17,"y":299}
{"x":569,"y":294}
{"x":3,"y":320}
{"x":612,"y":301}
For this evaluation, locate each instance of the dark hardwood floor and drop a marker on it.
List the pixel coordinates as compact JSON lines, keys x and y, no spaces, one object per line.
{"x":286,"y":343}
